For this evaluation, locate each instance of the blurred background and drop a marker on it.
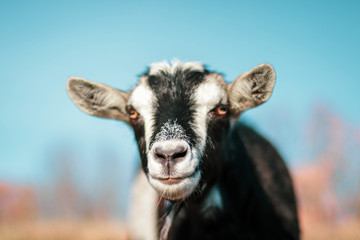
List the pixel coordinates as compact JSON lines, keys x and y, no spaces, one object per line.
{"x":66,"y":175}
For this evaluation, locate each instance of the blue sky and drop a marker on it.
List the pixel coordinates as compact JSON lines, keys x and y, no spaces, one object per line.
{"x":314,"y":47}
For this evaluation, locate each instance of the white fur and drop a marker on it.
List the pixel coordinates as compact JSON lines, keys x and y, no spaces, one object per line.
{"x":143,"y":217}
{"x":207,"y":96}
{"x":143,"y":100}
{"x":178,"y":190}
{"x":164,"y":66}
{"x":183,"y":169}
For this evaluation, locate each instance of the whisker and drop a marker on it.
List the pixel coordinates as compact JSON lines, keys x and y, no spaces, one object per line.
{"x":157,"y":205}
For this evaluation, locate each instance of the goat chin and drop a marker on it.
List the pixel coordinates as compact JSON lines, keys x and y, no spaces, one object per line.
{"x":178,"y":190}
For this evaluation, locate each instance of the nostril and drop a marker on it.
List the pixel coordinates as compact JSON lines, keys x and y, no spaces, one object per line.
{"x":180,"y":155}
{"x":160,"y":156}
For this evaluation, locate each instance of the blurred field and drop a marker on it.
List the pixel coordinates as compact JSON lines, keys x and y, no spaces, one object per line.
{"x":63,"y":230}
{"x":318,"y":231}
{"x":105,"y":230}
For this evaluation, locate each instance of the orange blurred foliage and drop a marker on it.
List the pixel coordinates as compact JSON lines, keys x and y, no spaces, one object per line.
{"x":17,"y":203}
{"x":322,"y":182}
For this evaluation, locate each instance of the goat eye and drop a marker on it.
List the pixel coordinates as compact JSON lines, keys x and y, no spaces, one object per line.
{"x":133,"y":114}
{"x":221,"y":110}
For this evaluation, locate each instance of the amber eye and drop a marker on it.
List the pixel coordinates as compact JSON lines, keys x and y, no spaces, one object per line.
{"x":221,"y":110}
{"x":133,"y":114}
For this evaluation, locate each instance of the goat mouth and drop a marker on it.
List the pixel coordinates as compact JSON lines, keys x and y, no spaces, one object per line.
{"x":170,"y":180}
{"x":173,"y":180}
{"x":175,"y":188}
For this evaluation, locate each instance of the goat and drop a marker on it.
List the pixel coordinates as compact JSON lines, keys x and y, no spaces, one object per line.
{"x":211,"y":177}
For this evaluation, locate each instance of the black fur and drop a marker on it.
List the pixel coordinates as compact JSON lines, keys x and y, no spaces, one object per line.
{"x":138,"y":127}
{"x":257,"y":193}
{"x":173,"y":95}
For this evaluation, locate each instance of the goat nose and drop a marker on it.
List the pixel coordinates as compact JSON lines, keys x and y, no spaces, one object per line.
{"x":174,"y":153}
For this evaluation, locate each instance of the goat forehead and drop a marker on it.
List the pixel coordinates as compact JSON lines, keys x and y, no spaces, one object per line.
{"x":177,"y":80}
{"x":174,"y":108}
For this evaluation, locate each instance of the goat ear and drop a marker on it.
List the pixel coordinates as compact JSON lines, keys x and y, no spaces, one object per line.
{"x":251,"y":89}
{"x":98,"y":99}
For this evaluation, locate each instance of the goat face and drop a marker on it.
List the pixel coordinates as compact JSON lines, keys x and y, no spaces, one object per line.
{"x":180,"y":114}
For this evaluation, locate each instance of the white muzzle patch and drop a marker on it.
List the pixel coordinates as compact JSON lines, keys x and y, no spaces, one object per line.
{"x":173,"y":164}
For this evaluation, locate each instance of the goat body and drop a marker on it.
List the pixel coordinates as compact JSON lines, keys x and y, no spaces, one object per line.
{"x":216,"y":179}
